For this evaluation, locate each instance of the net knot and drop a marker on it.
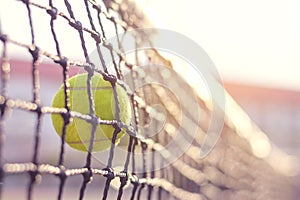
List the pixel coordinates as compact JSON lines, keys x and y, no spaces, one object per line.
{"x":129,"y":65}
{"x":96,"y":37}
{"x":134,"y":180}
{"x":34,"y":50}
{"x":116,"y":127}
{"x":90,"y":68}
{"x":97,"y":8}
{"x":2,"y":105}
{"x":77,"y":25}
{"x":88,"y":176}
{"x":110,"y":173}
{"x":62,"y":174}
{"x":25,"y":1}
{"x":124,"y":179}
{"x":144,"y":145}
{"x":66,"y":117}
{"x":52,"y":12}
{"x":63,"y":62}
{"x":94,"y":120}
{"x":113,"y":19}
{"x":111,"y":78}
{"x":34,"y":175}
{"x":108,"y":46}
{"x":3,"y":38}
{"x":38,"y":110}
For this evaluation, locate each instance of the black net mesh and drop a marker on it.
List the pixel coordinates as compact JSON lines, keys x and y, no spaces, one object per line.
{"x":147,"y":170}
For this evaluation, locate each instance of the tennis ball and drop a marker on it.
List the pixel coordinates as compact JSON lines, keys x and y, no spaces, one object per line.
{"x":78,"y":131}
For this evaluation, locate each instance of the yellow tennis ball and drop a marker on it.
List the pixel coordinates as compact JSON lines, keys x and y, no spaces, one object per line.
{"x":78,"y":132}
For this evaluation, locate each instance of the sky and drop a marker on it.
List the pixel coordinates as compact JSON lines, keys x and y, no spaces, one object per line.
{"x":254,"y":42}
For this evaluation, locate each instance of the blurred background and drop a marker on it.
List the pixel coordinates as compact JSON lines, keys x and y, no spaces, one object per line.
{"x":255,"y":46}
